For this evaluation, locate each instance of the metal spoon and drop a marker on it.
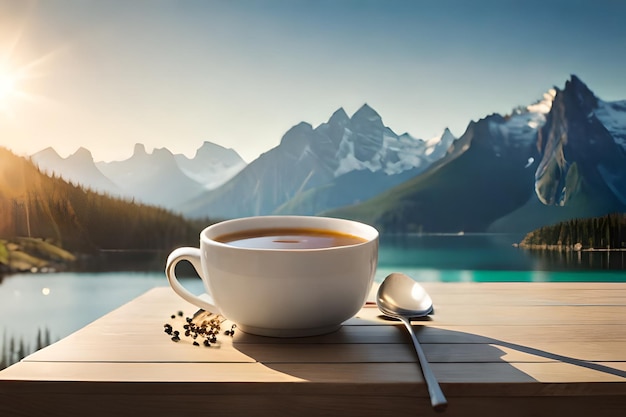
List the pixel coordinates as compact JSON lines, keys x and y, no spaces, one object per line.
{"x":402,"y":298}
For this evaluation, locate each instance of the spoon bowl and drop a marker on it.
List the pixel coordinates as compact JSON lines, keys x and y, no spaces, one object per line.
{"x":400,"y":297}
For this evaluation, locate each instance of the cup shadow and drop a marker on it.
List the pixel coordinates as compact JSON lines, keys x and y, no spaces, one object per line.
{"x":381,"y":343}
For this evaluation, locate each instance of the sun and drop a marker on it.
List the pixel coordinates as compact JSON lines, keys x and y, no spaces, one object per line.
{"x":17,"y":71}
{"x":14,"y":80}
{"x":8,"y":88}
{"x":7,"y":85}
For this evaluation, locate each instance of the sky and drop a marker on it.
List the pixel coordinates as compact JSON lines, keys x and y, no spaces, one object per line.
{"x":108,"y":74}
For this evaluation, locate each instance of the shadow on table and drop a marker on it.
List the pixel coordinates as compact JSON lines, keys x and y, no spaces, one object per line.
{"x":385,"y":344}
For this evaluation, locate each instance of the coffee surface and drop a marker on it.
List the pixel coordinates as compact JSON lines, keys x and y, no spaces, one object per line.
{"x":289,"y":238}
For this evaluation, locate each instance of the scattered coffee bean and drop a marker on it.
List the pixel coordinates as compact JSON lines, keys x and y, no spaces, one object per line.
{"x":203,"y":325}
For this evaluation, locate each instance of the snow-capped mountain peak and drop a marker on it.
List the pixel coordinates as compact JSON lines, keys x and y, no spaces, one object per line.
{"x":212,"y":165}
{"x":543,"y":105}
{"x":366,"y":143}
{"x":582,"y":144}
{"x":78,"y":168}
{"x":521,"y":126}
{"x":314,"y":169}
{"x":437,"y":146}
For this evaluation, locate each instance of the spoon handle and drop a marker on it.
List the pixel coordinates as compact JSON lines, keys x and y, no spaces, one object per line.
{"x":437,"y":399}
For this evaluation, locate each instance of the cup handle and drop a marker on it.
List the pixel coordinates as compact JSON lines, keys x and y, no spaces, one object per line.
{"x":191,"y":255}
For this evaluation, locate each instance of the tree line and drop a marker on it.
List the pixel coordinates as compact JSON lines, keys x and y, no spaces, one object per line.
{"x":34,"y":204}
{"x":605,"y":232}
{"x":14,"y":350}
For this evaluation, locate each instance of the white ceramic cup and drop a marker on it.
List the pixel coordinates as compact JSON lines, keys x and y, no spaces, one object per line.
{"x":281,"y":292}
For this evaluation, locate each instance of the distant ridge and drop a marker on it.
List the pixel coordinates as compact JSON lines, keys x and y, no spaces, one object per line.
{"x":159,"y":178}
{"x":77,"y":168}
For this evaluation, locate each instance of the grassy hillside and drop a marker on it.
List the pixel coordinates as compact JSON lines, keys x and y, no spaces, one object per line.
{"x":32,"y":254}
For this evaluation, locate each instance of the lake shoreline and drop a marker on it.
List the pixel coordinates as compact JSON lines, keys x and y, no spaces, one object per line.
{"x":563,"y":248}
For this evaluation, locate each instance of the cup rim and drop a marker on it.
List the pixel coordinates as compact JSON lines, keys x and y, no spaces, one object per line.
{"x":357,"y":228}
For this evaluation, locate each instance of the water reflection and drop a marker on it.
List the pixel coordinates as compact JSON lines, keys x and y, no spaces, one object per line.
{"x":65,"y":302}
{"x":596,"y":259}
{"x":454,"y":275}
{"x":488,"y":252}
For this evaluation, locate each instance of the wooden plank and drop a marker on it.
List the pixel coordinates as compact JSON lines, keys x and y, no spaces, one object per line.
{"x":394,"y":332}
{"x":332,"y":353}
{"x":513,"y":315}
{"x":176,"y":403}
{"x":464,"y":298}
{"x":551,"y":297}
{"x":100,"y":341}
{"x":431,"y":333}
{"x":551,"y":378}
{"x":521,"y":335}
{"x":464,"y":293}
{"x":142,"y":311}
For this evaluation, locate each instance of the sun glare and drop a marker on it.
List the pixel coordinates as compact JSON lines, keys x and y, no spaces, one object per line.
{"x":13,"y":80}
{"x":14,"y":76}
{"x":7,"y":85}
{"x":8,"y":88}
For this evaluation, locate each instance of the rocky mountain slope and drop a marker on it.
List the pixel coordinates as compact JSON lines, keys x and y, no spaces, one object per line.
{"x":552,"y":161}
{"x":342,"y":161}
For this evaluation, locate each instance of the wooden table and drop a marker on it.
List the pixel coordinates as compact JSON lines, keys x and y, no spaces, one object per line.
{"x":501,"y":349}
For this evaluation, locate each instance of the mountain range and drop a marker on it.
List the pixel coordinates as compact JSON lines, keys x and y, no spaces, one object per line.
{"x":159,"y":178}
{"x":343,"y":161}
{"x":563,"y":156}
